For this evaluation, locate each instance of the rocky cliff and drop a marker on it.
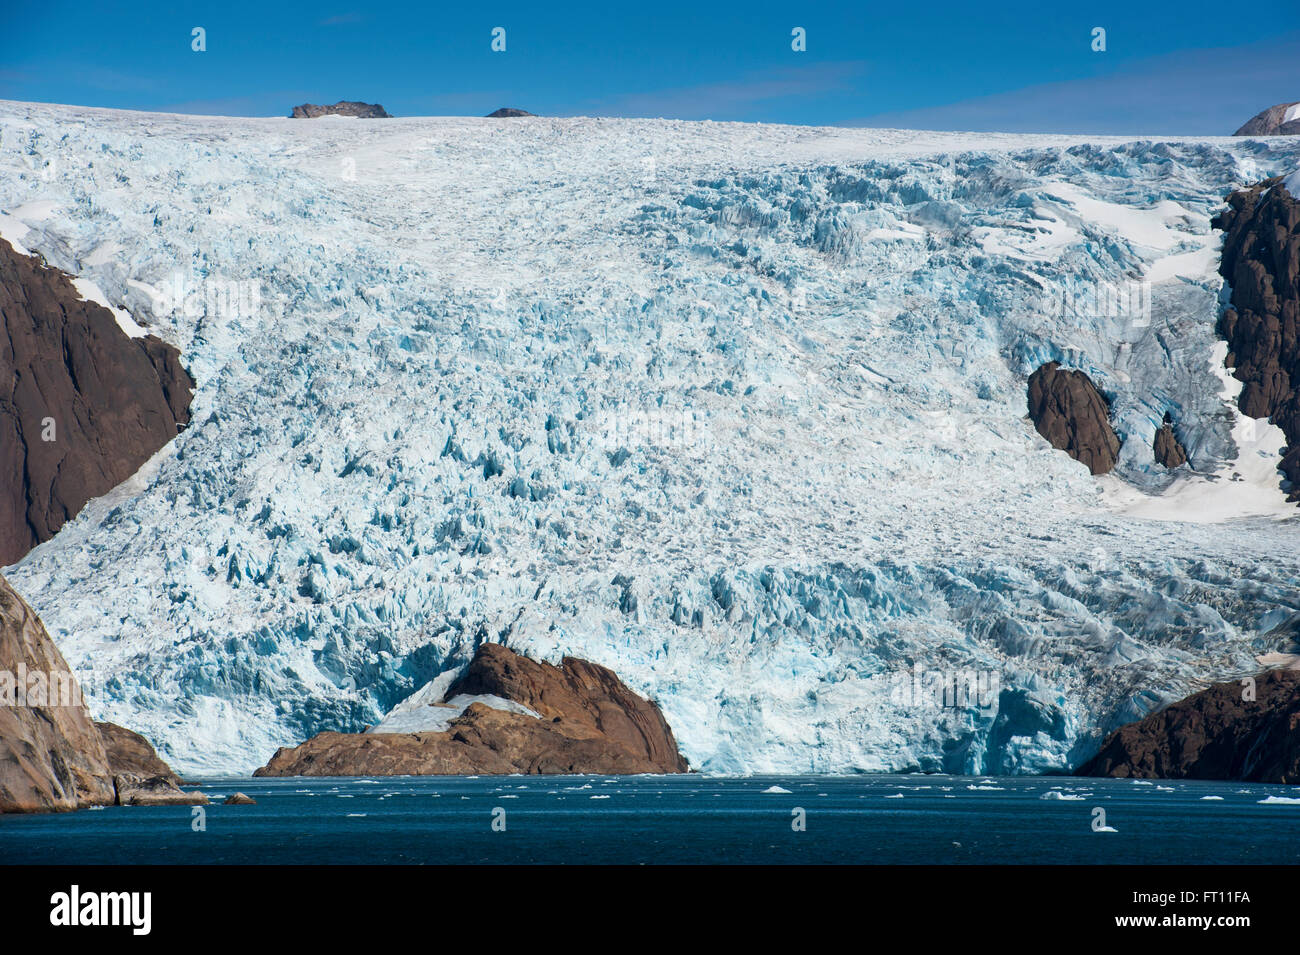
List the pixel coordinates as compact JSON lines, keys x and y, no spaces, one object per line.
{"x":1261,"y":261}
{"x":581,"y":719}
{"x":82,"y":403}
{"x":1069,"y":411}
{"x":341,"y":108}
{"x":52,"y":756}
{"x":1218,"y":733}
{"x":1280,"y":120}
{"x":1168,"y":450}
{"x":508,"y":112}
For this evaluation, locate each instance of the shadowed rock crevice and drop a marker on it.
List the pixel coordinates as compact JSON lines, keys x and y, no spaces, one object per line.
{"x":1069,"y":411}
{"x":586,"y":721}
{"x":1261,"y":262}
{"x":82,"y":404}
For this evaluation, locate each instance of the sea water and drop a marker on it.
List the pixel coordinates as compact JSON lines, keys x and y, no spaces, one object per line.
{"x":682,"y":819}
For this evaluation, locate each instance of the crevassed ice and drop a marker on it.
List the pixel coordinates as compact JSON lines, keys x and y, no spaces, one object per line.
{"x":735,"y":410}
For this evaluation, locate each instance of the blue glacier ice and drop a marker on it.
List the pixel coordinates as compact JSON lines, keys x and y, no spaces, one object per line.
{"x":736,"y":410}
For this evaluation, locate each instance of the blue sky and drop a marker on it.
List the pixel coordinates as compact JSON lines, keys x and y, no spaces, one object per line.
{"x":1169,"y":67}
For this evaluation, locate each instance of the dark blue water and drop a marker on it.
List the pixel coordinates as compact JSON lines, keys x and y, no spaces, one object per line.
{"x":661,"y":819}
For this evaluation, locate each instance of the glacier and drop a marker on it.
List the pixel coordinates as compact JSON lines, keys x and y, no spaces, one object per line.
{"x":736,"y":410}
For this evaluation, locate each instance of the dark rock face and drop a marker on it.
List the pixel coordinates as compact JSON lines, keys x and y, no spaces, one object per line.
{"x":589,"y":723}
{"x":1272,"y":122}
{"x":1213,"y":734}
{"x":53,"y":757}
{"x":341,"y":108}
{"x":239,"y":799}
{"x":1168,"y":449}
{"x":505,"y":112}
{"x":69,"y":373}
{"x":1069,"y":411}
{"x":1261,"y":261}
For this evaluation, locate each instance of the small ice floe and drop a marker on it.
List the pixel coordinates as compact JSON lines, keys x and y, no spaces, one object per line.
{"x":776,"y":789}
{"x":598,"y":797}
{"x":1279,"y":801}
{"x":95,"y":808}
{"x":895,"y":796}
{"x":1105,"y":829}
{"x":1055,"y":794}
{"x":513,"y":796}
{"x":1143,"y":782}
{"x":1165,"y":789}
{"x":574,"y":789}
{"x":1218,"y":798}
{"x":346,"y":796}
{"x":356,"y":815}
{"x":987,"y":788}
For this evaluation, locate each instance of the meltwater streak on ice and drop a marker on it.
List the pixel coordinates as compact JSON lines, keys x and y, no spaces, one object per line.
{"x":735,"y":410}
{"x":685,"y":819}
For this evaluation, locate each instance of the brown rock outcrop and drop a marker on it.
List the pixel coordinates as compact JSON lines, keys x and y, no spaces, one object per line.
{"x":1069,"y":411}
{"x":508,"y":112}
{"x":134,"y":789}
{"x":129,"y":752}
{"x":1261,"y":261}
{"x":82,"y":404}
{"x":1213,"y":734}
{"x":140,"y":777}
{"x":53,"y":757}
{"x":1168,"y":449}
{"x":1272,"y":122}
{"x":341,"y":108}
{"x":588,"y":722}
{"x":240,"y":799}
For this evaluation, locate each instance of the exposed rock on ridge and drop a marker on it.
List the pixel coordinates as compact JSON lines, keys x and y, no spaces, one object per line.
{"x":82,"y":404}
{"x":1273,"y":122}
{"x":508,"y":112}
{"x":341,"y":108}
{"x":588,"y":722}
{"x":1069,"y":411}
{"x":1261,"y":261}
{"x":1213,"y":734}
